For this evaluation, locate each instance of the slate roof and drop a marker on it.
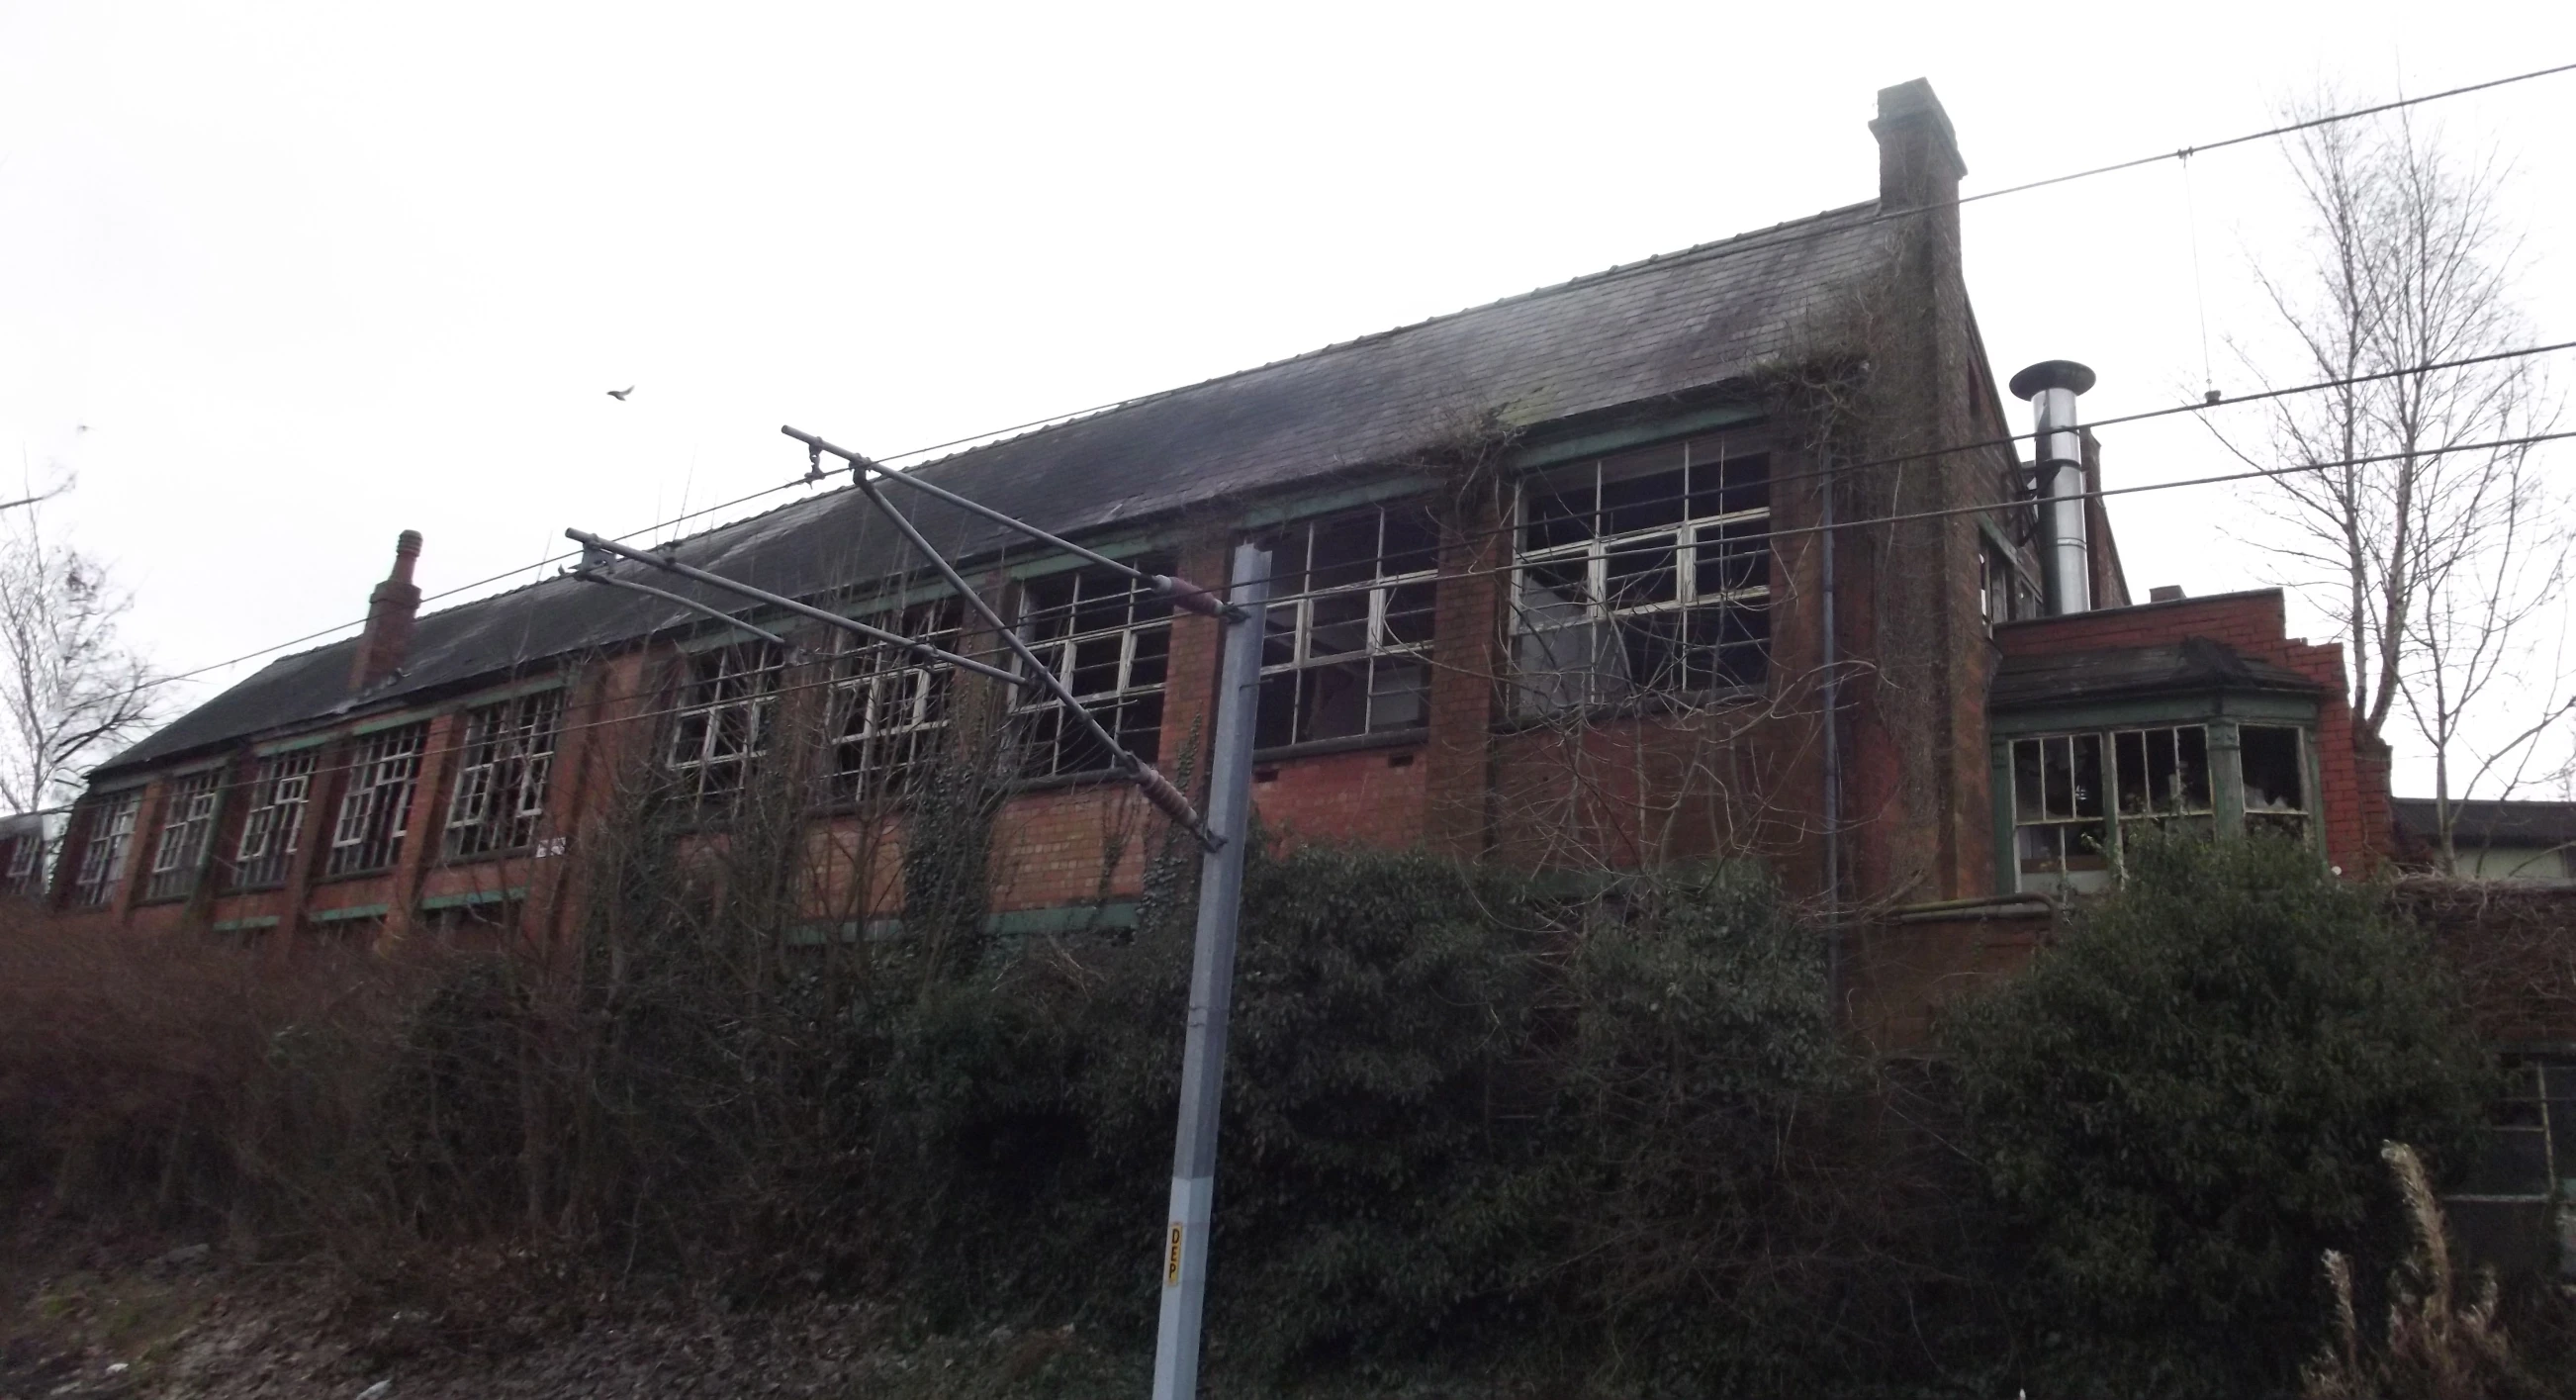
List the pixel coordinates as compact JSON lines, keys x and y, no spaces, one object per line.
{"x":2498,"y":822}
{"x":1685,"y":321}
{"x":2193,"y":665}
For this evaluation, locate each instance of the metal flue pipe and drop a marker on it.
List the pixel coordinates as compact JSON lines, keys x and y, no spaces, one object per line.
{"x":2065,"y":549}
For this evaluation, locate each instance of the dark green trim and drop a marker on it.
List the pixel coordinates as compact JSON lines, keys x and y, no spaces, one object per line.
{"x":1995,"y":536}
{"x":274,"y":747}
{"x":472,"y":897}
{"x":348,"y":912}
{"x":2000,"y":784}
{"x":481,"y":698}
{"x":394,"y":721}
{"x":1602,"y":442}
{"x":2132,"y":712}
{"x":1120,"y":548}
{"x":1310,"y":506}
{"x":255,"y":922}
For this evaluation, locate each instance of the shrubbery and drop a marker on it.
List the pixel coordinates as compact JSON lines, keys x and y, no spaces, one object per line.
{"x":2182,"y":1105}
{"x":1603,"y":1131}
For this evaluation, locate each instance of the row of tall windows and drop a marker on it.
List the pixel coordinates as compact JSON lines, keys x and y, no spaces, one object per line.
{"x":1645,"y":573}
{"x":495,"y":802}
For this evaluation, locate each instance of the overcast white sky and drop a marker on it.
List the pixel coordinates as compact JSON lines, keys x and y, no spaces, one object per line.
{"x":280,"y":280}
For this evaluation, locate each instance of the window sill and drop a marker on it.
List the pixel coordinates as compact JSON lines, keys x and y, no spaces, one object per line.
{"x":373,"y":872}
{"x":1354,"y":743}
{"x":446,"y":862}
{"x":1057,"y":782}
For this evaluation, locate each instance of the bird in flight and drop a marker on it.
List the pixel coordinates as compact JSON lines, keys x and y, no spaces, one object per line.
{"x":620,"y":394}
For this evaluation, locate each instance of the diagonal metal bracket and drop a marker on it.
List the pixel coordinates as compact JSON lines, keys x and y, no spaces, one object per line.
{"x":1182,"y":593}
{"x":1148,"y":779}
{"x":924,"y":650}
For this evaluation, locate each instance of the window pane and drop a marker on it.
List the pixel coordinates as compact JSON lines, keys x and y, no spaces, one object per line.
{"x":1643,"y":574}
{"x":1397,"y":690}
{"x":1345,"y":552}
{"x":1412,"y":542}
{"x":2027,"y":803}
{"x":2129,"y":747}
{"x":1408,"y":614}
{"x":1334,"y":701}
{"x":2088,"y":775}
{"x":1631,"y":503}
{"x":1557,"y":516}
{"x":2274,"y":777}
{"x":1340,"y":624}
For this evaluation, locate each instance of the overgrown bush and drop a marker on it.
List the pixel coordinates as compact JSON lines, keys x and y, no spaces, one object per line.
{"x":2182,"y":1105}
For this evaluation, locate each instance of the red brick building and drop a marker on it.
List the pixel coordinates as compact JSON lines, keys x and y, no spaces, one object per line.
{"x":1723,"y":554}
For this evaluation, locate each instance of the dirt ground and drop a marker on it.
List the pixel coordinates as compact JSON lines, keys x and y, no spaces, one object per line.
{"x":183,"y":1321}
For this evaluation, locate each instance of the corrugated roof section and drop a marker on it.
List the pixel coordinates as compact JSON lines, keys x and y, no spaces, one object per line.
{"x":1685,"y":321}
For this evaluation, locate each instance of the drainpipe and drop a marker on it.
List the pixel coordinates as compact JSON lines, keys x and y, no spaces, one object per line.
{"x":1833,"y":747}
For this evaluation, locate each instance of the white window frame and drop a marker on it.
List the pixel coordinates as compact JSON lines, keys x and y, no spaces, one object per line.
{"x":504,"y":773}
{"x":1130,"y":705}
{"x":375,"y":808}
{"x":187,"y":834}
{"x":281,"y":788}
{"x":1292,"y":670}
{"x":1570,"y":653}
{"x":728,"y":708}
{"x":110,"y":834}
{"x":891,"y":708}
{"x":26,"y":863}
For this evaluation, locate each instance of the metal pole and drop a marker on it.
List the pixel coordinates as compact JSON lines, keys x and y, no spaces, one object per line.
{"x":1185,"y":1240}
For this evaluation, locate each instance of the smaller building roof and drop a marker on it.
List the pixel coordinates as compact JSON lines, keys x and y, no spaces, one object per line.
{"x":2195,"y":665}
{"x":2489,"y":822}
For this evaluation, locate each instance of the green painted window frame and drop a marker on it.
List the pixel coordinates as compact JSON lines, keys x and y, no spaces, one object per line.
{"x":2223,"y":717}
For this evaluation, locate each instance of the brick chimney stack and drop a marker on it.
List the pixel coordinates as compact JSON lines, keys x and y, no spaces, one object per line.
{"x":1918,"y":153}
{"x":391,"y":610}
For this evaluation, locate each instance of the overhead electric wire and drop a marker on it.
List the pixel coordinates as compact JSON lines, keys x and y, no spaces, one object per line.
{"x":629,"y":535}
{"x":1750,"y":243}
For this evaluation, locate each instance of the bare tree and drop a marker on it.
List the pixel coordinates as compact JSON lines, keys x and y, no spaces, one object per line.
{"x":72,"y":692}
{"x":2425,"y":530}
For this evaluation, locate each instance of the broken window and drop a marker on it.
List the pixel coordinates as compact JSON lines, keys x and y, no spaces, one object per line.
{"x":502,"y":774}
{"x":727,"y":709}
{"x":22,"y":858}
{"x":187,"y":834}
{"x":1109,"y":639}
{"x":1346,"y":642}
{"x":279,"y":788}
{"x":890,"y":706}
{"x":109,"y":832}
{"x":383,"y":769}
{"x":1648,"y":573}
{"x":2276,"y":779}
{"x":2059,"y":836}
{"x":2163,"y":779}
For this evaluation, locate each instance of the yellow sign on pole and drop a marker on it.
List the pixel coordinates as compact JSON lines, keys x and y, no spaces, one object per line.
{"x":1172,"y":1258}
